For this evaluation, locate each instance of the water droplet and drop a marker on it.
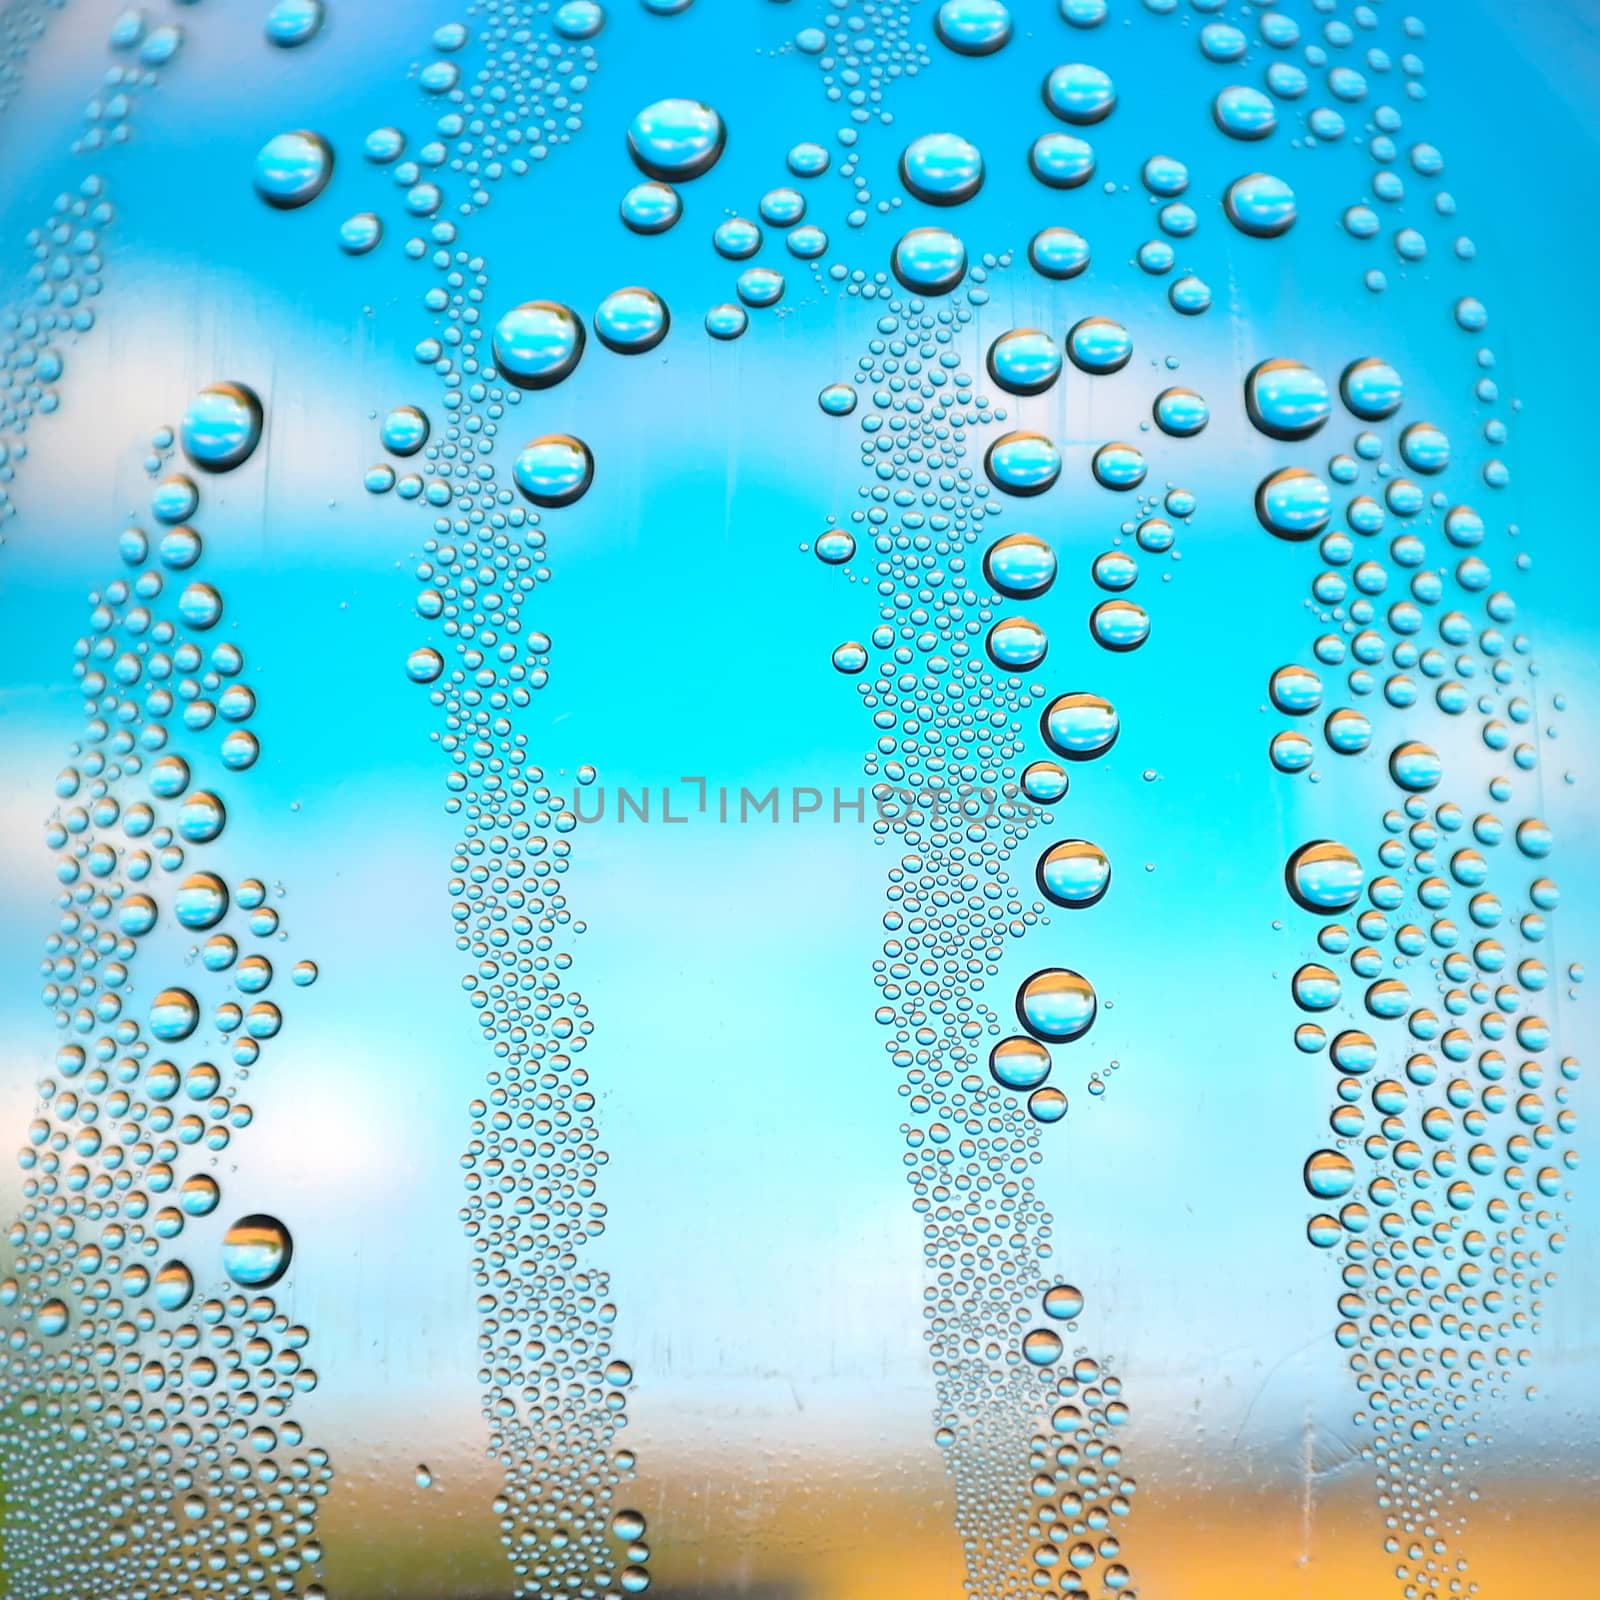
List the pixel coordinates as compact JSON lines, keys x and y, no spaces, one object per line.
{"x":292,"y":169}
{"x":1260,"y":205}
{"x":256,"y":1251}
{"x":222,"y":426}
{"x":1324,"y":876}
{"x":942,"y":168}
{"x":631,"y":321}
{"x":973,"y":27}
{"x":538,"y":343}
{"x":1021,"y":565}
{"x":1294,"y":503}
{"x":404,"y":431}
{"x":1099,"y":345}
{"x":929,"y":260}
{"x":1079,"y":93}
{"x":1056,"y":1005}
{"x":294,"y":22}
{"x":1074,"y":873}
{"x":1022,"y":463}
{"x":1286,"y":400}
{"x":554,"y":470}
{"x":676,"y":140}
{"x":1080,"y":725}
{"x":174,"y":1014}
{"x":1371,"y":389}
{"x":1019,"y":1062}
{"x":1024,"y":361}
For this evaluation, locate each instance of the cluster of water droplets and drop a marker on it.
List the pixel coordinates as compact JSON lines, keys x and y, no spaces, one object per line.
{"x":554,"y":1391}
{"x":969,"y":760}
{"x":1442,"y":1185}
{"x":148,"y":1385}
{"x":1445,"y":1258}
{"x":66,"y":251}
{"x":1452,"y":1127}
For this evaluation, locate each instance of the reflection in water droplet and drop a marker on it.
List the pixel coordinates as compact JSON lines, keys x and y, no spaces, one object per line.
{"x":727,"y":321}
{"x":929,"y":260}
{"x":1061,"y":161}
{"x":423,"y":665}
{"x":1024,"y":361}
{"x":294,"y":22}
{"x":1047,"y":1105}
{"x":201,"y":901}
{"x":360,"y":233}
{"x":1119,"y":625}
{"x":837,"y":399}
{"x":1063,"y":1301}
{"x":1286,"y":400}
{"x":1260,"y":205}
{"x":1296,"y":690}
{"x":942,"y":168}
{"x":538,"y":343}
{"x":1016,"y":644}
{"x":1077,"y":92}
{"x":1244,"y":113}
{"x":405,"y":431}
{"x":650,"y":208}
{"x":174,"y":1014}
{"x":1058,"y":253}
{"x":1119,"y":466}
{"x":1315,"y":987}
{"x":676,"y":140}
{"x":256,"y":1251}
{"x":292,"y":169}
{"x":174,"y":1286}
{"x":1324,"y":876}
{"x":1074,"y":873}
{"x":1080,"y":725}
{"x":1021,"y":565}
{"x":1099,"y":345}
{"x":1022,"y":463}
{"x":1044,"y":781}
{"x":1424,"y":447}
{"x":222,"y":426}
{"x":1371,"y":389}
{"x":1294,"y":504}
{"x":835,"y":546}
{"x":1415,"y":767}
{"x":1181,"y":412}
{"x":737,"y":238}
{"x":1019,"y":1062}
{"x":1056,"y":1005}
{"x":973,"y":27}
{"x":1330,"y":1174}
{"x":554,"y":470}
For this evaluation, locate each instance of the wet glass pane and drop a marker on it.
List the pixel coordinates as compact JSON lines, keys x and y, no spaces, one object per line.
{"x":796,"y":799}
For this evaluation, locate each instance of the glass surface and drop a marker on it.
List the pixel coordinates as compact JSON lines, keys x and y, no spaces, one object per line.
{"x":787,"y":785}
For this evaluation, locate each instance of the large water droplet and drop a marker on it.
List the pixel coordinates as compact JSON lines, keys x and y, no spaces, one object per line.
{"x":292,"y":169}
{"x":538,"y":343}
{"x":222,"y":426}
{"x":256,"y":1251}
{"x":1324,"y":876}
{"x":676,"y":140}
{"x":554,"y":470}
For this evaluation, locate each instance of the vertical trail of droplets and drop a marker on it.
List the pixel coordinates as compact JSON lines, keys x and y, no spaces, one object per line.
{"x":146,"y":1427}
{"x":1029,"y":1432}
{"x":66,"y":252}
{"x":554,"y":1391}
{"x":1451,"y":1122}
{"x":23,"y":23}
